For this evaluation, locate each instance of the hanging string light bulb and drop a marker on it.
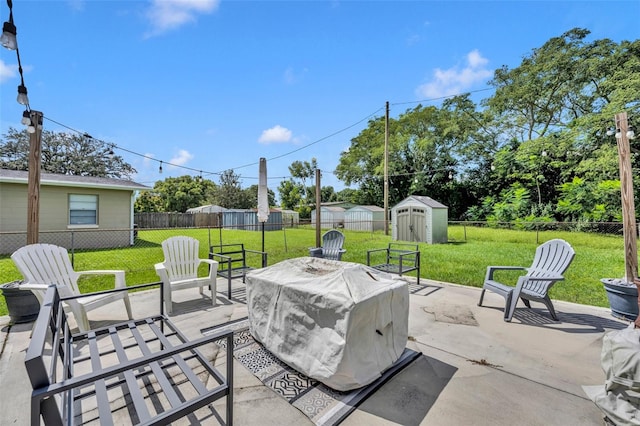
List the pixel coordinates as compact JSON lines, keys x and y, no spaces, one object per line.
{"x":9,"y":32}
{"x":160,"y":168}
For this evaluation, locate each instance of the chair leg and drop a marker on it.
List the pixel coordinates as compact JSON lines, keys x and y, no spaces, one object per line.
{"x":127,"y":305}
{"x":508,"y":309}
{"x":212,"y":287}
{"x":552,"y":311}
{"x":168,"y":304}
{"x":481,"y":297}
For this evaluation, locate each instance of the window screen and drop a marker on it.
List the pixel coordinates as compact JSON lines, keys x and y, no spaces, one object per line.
{"x":83,"y":209}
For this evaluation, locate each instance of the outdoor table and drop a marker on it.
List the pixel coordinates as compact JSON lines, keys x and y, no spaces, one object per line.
{"x":337,"y":322}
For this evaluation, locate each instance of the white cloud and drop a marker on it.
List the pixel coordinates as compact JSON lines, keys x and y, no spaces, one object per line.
{"x":167,"y":15}
{"x":182,"y":158}
{"x":292,"y":76}
{"x":147,"y":160}
{"x":454,"y":81}
{"x":76,"y":5}
{"x":7,"y":72}
{"x":276,"y":134}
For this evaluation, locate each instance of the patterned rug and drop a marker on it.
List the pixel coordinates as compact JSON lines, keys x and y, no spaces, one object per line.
{"x":320,"y":403}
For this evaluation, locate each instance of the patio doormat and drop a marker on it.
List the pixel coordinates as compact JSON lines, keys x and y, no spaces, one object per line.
{"x":320,"y":403}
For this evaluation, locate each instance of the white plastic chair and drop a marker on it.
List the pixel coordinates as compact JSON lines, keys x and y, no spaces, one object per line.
{"x":46,"y":264}
{"x":179,"y":270}
{"x":551,"y":260}
{"x":332,"y":242}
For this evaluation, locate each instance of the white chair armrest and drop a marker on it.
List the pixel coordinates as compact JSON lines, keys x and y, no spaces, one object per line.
{"x":213,"y":267}
{"x":37,"y":287}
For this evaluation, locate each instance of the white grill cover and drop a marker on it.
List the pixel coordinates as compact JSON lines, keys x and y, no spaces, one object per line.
{"x":338,"y":322}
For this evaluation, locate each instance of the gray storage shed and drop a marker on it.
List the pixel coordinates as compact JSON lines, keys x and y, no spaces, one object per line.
{"x":364,"y":218}
{"x":421,"y":219}
{"x":330,"y":217}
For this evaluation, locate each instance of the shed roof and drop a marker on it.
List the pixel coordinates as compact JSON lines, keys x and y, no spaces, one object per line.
{"x":332,"y":208}
{"x":370,"y":208}
{"x":427,"y":201}
{"x":209,"y":208}
{"x":51,"y":179}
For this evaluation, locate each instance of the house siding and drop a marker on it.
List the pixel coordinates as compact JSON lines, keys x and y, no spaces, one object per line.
{"x":115,"y":207}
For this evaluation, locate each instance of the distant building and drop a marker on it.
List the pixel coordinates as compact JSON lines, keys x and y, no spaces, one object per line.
{"x":290,"y":218}
{"x":330,"y":217}
{"x":88,"y":205}
{"x":421,"y":219}
{"x":364,"y":218}
{"x":209,"y":208}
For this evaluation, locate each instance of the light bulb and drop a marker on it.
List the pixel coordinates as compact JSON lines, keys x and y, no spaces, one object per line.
{"x":611,"y":131}
{"x":8,"y":38}
{"x":22,"y":99}
{"x":26,"y":118}
{"x":31,"y":129}
{"x":630,"y":133}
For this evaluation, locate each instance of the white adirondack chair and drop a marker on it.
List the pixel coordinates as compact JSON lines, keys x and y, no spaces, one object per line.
{"x":551,"y":260}
{"x":46,"y":264}
{"x":179,"y":270}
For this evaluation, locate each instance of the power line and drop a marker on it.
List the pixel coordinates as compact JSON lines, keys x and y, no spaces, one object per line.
{"x":219,"y":173}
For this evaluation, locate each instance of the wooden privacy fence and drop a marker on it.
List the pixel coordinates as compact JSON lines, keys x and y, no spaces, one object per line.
{"x":176,"y":220}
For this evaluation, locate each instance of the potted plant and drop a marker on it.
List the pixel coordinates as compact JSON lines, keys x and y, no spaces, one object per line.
{"x":623,"y":298}
{"x":23,"y":305}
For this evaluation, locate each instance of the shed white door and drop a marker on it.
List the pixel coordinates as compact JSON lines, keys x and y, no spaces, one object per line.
{"x":411,"y":224}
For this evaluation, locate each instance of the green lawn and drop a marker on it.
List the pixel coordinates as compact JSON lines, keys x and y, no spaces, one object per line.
{"x":463,"y":260}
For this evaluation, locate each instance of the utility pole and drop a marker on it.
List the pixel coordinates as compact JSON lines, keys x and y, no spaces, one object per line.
{"x":628,"y":205}
{"x":386,"y":170}
{"x":33,"y":202}
{"x":318,"y":215}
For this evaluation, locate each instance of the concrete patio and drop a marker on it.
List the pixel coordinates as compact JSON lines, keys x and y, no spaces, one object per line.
{"x":475,"y":368}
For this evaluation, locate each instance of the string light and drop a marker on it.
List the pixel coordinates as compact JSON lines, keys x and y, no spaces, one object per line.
{"x":8,"y":39}
{"x":26,"y":118}
{"x":219,"y":173}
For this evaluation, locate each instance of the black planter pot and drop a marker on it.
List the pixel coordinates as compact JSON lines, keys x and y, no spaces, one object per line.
{"x":23,"y":306}
{"x":623,"y":298}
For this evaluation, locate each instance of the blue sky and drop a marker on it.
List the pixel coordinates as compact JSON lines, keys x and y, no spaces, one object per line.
{"x":214,"y":85}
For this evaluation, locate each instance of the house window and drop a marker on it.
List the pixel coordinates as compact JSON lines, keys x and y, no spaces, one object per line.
{"x":83,"y":209}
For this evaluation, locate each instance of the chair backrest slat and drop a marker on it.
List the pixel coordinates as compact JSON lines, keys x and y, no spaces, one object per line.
{"x":181,"y":257}
{"x":551,"y":260}
{"x":332,"y":242}
{"x":47,"y":264}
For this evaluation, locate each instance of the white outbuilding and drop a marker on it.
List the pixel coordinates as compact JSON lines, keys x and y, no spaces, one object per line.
{"x":330,"y":217}
{"x":364,"y":218}
{"x":421,"y":219}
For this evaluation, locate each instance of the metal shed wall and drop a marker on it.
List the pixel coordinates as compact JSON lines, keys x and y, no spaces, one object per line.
{"x":330,"y":217}
{"x":364,"y":218}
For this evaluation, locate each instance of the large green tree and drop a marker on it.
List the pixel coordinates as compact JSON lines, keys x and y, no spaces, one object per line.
{"x":230,"y":193}
{"x":64,"y":153}
{"x":252,"y":196}
{"x":177,"y":194}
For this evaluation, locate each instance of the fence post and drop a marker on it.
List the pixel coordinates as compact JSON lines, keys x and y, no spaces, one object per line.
{"x":73,"y":248}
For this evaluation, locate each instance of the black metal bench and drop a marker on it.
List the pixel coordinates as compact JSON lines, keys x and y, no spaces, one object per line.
{"x":397,"y":258}
{"x":232,"y":260}
{"x":134,"y":372}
